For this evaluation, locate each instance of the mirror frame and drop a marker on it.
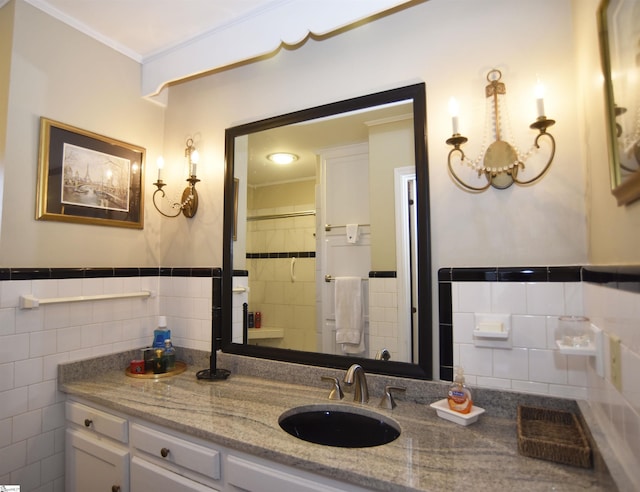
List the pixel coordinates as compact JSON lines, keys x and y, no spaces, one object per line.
{"x":424,"y":368}
{"x":628,"y":190}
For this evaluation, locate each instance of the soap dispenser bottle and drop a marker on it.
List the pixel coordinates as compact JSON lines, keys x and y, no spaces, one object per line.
{"x":169,"y":355}
{"x":459,"y":397}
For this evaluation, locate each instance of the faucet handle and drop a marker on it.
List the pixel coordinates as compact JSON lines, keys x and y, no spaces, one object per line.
{"x":387,"y":400}
{"x":336,"y":391}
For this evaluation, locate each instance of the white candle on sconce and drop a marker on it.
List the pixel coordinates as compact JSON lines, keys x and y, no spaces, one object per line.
{"x":454,"y":109}
{"x":539,"y":91}
{"x":160,"y":165}
{"x":195,"y":157}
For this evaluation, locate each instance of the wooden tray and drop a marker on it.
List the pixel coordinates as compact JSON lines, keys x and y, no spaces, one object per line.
{"x":553,"y":435}
{"x":180,"y":368}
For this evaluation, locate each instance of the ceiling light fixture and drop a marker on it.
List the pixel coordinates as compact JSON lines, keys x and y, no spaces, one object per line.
{"x":501,"y":161}
{"x":282,"y":158}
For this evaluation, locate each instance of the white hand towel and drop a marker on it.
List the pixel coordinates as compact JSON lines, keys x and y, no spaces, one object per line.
{"x":352,"y":233}
{"x":349,"y":314}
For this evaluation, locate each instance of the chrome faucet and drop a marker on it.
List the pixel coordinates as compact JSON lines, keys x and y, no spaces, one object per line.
{"x":355,"y":374}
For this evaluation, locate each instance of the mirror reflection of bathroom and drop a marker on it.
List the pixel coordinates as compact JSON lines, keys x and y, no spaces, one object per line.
{"x":317,"y":230}
{"x":624,"y":43}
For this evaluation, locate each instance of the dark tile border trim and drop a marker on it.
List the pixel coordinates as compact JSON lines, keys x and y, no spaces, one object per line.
{"x":622,"y":278}
{"x":382,"y":274}
{"x":511,"y":274}
{"x":616,"y":277}
{"x":291,"y":254}
{"x":62,"y":273}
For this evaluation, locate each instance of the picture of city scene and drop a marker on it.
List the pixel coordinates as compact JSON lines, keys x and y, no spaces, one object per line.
{"x":95,"y":179}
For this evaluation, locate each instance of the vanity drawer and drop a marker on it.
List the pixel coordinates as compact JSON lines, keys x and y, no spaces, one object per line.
{"x":177,"y":451}
{"x":100,"y":422}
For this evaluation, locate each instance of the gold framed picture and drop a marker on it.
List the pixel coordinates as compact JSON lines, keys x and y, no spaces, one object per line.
{"x":88,"y":178}
{"x":618,"y":22}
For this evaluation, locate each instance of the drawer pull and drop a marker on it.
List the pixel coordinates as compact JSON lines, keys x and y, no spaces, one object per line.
{"x":164,"y":452}
{"x":115,"y":488}
{"x":88,"y":422}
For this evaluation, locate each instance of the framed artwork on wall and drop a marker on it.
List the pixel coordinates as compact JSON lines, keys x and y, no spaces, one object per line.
{"x":619,"y":30}
{"x":88,"y":178}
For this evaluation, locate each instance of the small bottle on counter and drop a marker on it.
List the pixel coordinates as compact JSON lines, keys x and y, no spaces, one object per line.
{"x":159,"y":362}
{"x":459,"y":396}
{"x":257,"y":319}
{"x":162,"y":333}
{"x":148,"y":353}
{"x":169,"y":355}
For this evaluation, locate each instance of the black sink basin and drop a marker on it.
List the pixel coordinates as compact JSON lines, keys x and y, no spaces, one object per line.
{"x":339,"y":426}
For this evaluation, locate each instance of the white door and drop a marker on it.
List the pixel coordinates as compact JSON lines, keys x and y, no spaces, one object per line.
{"x":344,"y":201}
{"x":95,"y":464}
{"x":407,"y":263}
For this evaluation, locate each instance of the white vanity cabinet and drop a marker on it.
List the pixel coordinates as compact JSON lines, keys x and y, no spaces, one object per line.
{"x":111,"y":452}
{"x":164,"y":460}
{"x":247,"y":473}
{"x":96,"y":450}
{"x":146,"y":476}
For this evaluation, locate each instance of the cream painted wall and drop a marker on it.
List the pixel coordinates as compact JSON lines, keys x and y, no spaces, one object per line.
{"x":59,"y":73}
{"x":543,"y":224}
{"x":614,"y":232}
{"x":390,"y":147}
{"x":281,"y":195}
{"x":6,"y":33}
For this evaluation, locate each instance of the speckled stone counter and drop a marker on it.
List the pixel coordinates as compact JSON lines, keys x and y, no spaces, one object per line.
{"x":242,"y":413}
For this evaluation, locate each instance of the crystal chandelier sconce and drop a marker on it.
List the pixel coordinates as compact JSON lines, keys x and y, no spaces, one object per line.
{"x":189,"y":204}
{"x":500,"y":162}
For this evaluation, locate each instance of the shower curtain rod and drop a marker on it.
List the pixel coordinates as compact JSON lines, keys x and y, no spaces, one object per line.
{"x":285,"y":215}
{"x":328,"y":227}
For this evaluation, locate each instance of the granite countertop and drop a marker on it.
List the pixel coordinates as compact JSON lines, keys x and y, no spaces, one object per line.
{"x":242,"y":413}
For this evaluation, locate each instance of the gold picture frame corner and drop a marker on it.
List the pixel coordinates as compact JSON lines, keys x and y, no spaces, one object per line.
{"x":88,"y":178}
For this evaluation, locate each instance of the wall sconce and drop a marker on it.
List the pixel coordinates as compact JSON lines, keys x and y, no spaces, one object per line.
{"x":501,"y":162}
{"x":189,"y":204}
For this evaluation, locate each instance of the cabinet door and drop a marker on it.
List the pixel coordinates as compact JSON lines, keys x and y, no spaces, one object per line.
{"x":176,"y":451}
{"x":253,"y":477}
{"x":96,"y":465}
{"x":146,"y":476}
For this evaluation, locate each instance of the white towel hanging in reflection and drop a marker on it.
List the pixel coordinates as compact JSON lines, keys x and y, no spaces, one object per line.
{"x":349,"y":314}
{"x":352,"y":233}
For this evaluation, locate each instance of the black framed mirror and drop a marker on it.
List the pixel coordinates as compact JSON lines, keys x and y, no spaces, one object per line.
{"x":245,"y":166}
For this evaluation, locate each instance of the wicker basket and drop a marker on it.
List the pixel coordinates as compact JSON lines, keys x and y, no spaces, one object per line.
{"x":553,"y":435}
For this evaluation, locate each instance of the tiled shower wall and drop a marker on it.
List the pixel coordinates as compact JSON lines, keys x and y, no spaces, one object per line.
{"x":281,"y":263}
{"x":33,"y":342}
{"x":383,"y":317}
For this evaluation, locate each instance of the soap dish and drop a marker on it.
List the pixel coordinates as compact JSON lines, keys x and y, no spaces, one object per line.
{"x":444,"y":412}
